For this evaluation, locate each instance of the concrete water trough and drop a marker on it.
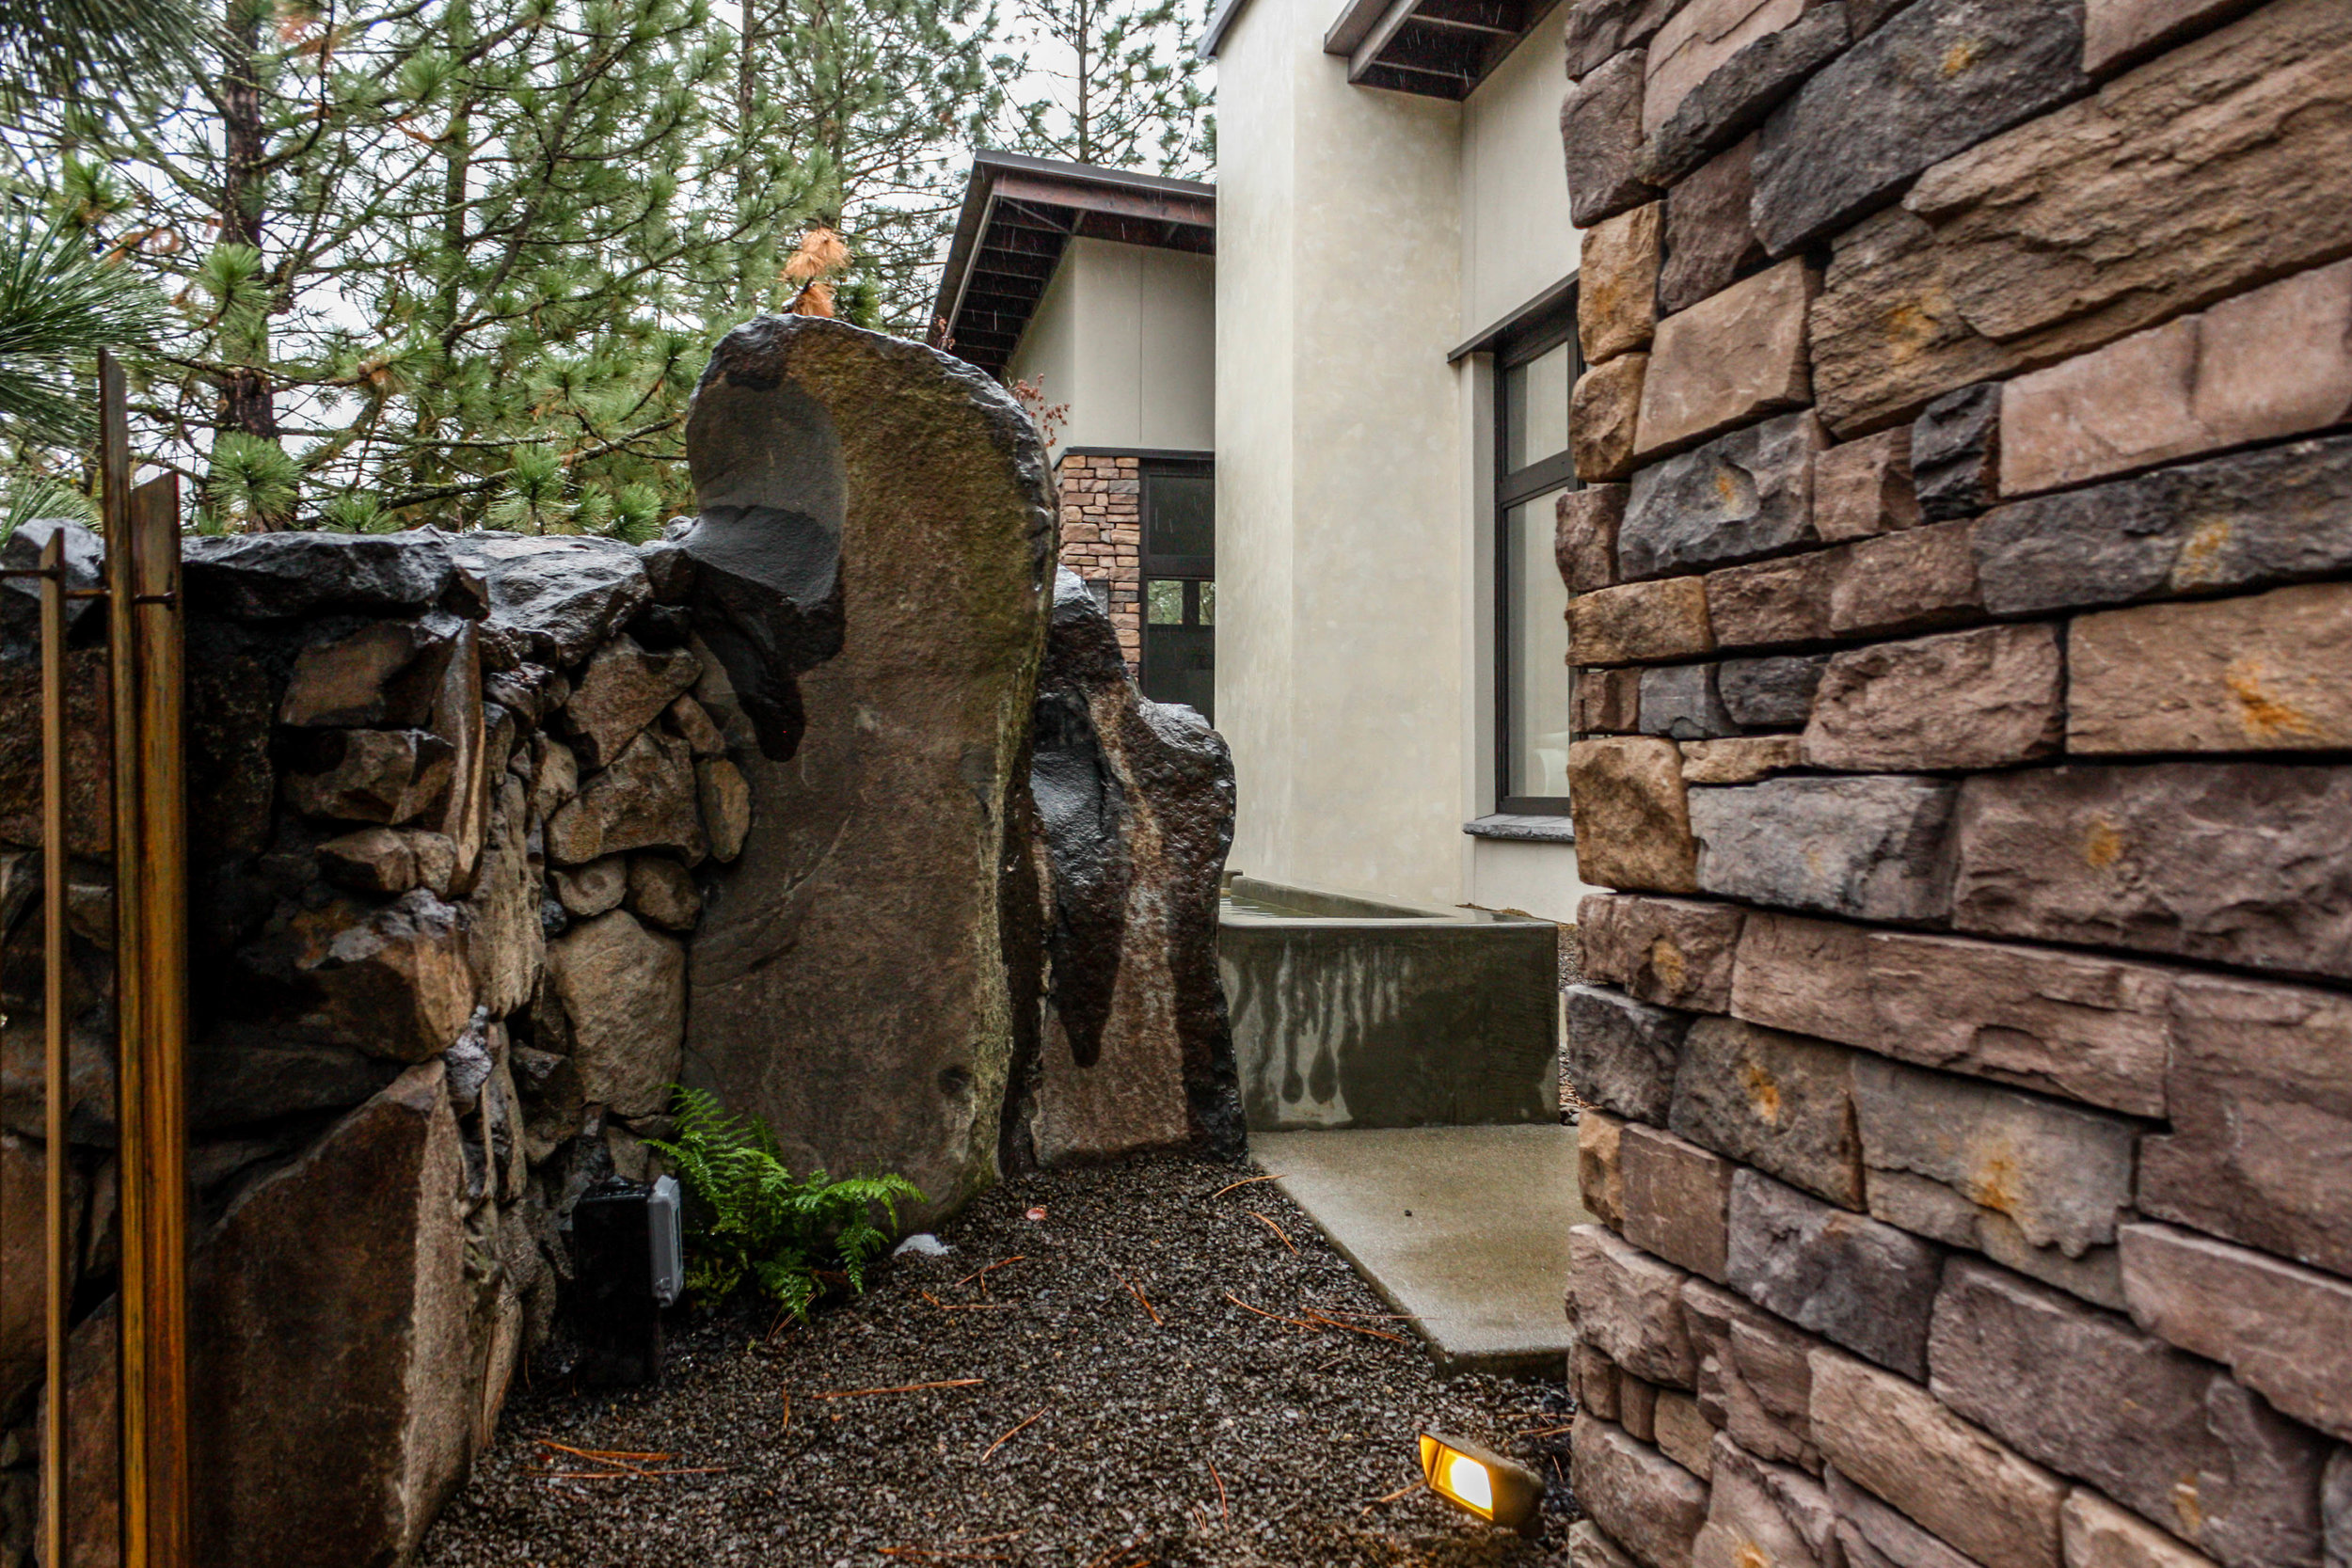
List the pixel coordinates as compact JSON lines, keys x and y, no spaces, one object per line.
{"x":1352,"y":1011}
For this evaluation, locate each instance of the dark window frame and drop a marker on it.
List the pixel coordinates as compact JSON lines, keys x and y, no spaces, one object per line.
{"x":1151,"y":566}
{"x":1542,"y":330}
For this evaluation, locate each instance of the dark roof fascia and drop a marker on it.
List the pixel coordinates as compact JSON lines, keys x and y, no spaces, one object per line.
{"x":1220,"y":23}
{"x":1494,"y":332}
{"x":1016,"y":176}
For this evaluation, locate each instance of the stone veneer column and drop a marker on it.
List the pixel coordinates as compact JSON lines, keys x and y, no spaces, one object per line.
{"x":1101,"y":499}
{"x":1967,"y":624}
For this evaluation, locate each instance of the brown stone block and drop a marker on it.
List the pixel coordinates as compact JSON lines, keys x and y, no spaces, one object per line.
{"x":1892,"y":1437}
{"x":1773,"y":602}
{"x":1616,"y":293}
{"x":2004,"y":255}
{"x":2098,"y":1534}
{"x":1808,"y":977}
{"x":2115,"y":32}
{"x":1977,"y":699}
{"x":1781,"y":1102}
{"x":1763,"y":1515}
{"x":1732,"y":357}
{"x":2272,"y":672}
{"x":2061,"y":1173}
{"x":1639,"y":1496}
{"x":1584,"y":537}
{"x":2072,"y":1024}
{"x":1739,"y":93}
{"x":2166,"y":1435}
{"x":1589,"y":1548}
{"x":1599,"y":1167}
{"x":1595,"y":1377}
{"x":1873,"y":1535}
{"x":1678,"y":1199}
{"x":1755,"y":1380}
{"x":1669,"y":952}
{"x":1637,"y":1403}
{"x":1697,"y":39}
{"x":1603,"y":412}
{"x":1606,"y":702}
{"x":2260,"y":1095}
{"x":1600,"y":134}
{"x":1599,"y":29}
{"x":1627,"y":1304}
{"x":2284,"y":1330}
{"x":1914,"y":580}
{"x":1853,"y":1280}
{"x":1740,"y":759}
{"x":2276,"y":361}
{"x":1633,"y":827}
{"x":1862,"y":488}
{"x":1708,"y":239}
{"x":2237,"y":862}
{"x":1683,"y":1434}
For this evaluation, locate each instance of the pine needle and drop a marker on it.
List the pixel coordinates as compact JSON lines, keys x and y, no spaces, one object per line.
{"x":1249,"y":1182}
{"x":1137,"y":1294}
{"x":902,"y":1388}
{"x":1276,"y":1229}
{"x":1400,"y":1492}
{"x":1009,"y":1435}
{"x":1311,"y":1328}
{"x":1223,"y":1513}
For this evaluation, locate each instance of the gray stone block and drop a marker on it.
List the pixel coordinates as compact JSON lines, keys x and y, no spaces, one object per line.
{"x":1955,"y":453}
{"x":1601,"y":132}
{"x":1780,"y":1102}
{"x":1739,"y":93}
{"x":1680,"y":701}
{"x":1639,"y":1496}
{"x":2166,"y":1435}
{"x":1870,"y":848}
{"x":1854,"y":1281}
{"x":1774,"y":693}
{"x":1739,"y":498}
{"x":1942,"y":76}
{"x":2243,"y":521}
{"x":1622,"y":1053}
{"x":1599,"y":29}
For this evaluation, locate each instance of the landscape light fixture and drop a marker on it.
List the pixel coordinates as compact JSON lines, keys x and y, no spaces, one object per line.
{"x":1482,"y":1482}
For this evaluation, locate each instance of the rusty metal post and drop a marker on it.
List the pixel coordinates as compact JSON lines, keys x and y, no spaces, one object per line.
{"x":131,"y":1026}
{"x":163,"y":982}
{"x":58,"y":1241}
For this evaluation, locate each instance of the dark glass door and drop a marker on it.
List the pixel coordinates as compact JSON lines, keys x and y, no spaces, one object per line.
{"x":1180,"y":583}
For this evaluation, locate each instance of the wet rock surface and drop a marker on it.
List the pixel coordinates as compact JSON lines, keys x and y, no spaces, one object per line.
{"x":1307,"y":1429}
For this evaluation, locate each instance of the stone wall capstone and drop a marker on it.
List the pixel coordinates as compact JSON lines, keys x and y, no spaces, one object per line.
{"x":1972,"y":1041}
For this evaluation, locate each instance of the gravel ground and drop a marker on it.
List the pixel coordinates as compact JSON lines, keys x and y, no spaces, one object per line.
{"x":1090,"y":1441}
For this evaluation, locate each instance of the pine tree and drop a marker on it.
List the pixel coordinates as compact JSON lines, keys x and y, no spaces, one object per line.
{"x":879,"y":101}
{"x":1110,"y":82}
{"x":436,"y":266}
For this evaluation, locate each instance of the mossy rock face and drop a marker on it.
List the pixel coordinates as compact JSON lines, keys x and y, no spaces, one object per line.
{"x":872,"y":565}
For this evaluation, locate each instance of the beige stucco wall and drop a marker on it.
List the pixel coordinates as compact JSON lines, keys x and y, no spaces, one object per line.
{"x":1361,"y":235}
{"x":1517,"y":237}
{"x":1341,"y":600}
{"x":1125,"y":336}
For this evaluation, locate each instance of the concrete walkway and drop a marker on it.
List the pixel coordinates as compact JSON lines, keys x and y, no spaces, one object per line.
{"x":1463,"y":1228}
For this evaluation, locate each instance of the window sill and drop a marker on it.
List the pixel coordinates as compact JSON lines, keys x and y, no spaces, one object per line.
{"x":1522,"y":829}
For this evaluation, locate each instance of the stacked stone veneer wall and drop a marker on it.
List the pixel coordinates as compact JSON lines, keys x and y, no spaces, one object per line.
{"x":1965,"y":612}
{"x":1101,"y":496}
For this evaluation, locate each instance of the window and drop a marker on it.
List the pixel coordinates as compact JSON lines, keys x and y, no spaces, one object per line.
{"x":1180,"y":583}
{"x":1535,"y":366}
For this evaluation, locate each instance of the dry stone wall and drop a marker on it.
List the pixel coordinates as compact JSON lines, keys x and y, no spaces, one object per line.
{"x":1962,"y":605}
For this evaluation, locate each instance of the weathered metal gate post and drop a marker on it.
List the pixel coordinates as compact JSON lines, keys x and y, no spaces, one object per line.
{"x":145,"y":679}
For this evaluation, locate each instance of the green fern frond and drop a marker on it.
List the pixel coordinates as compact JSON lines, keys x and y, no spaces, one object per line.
{"x":752,"y":1224}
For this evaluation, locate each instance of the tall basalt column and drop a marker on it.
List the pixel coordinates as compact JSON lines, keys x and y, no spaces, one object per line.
{"x":871,"y":565}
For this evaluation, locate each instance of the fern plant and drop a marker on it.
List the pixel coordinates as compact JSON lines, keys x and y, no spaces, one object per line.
{"x":752,"y":1224}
